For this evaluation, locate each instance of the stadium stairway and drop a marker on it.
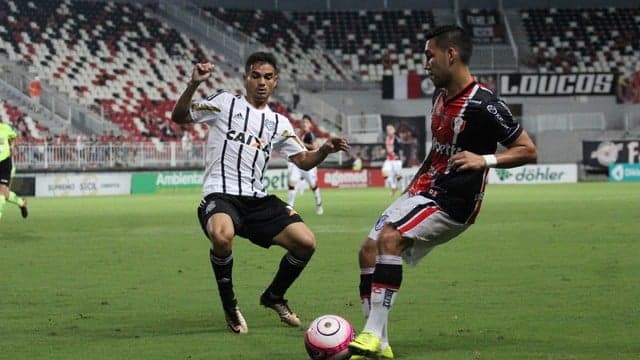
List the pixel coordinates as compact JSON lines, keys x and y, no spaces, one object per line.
{"x":113,"y":57}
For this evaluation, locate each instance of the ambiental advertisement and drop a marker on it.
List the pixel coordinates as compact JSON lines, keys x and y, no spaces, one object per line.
{"x":624,"y":172}
{"x":535,"y":174}
{"x":150,"y":182}
{"x":83,"y":184}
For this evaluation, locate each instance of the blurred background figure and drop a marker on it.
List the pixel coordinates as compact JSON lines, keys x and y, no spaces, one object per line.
{"x":35,"y":90}
{"x":392,"y":165}
{"x":310,"y":176}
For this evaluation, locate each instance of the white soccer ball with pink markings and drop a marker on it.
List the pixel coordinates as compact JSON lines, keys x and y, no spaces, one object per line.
{"x":328,"y":338}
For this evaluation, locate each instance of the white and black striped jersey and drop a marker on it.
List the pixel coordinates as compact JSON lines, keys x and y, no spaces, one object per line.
{"x":240,"y":141}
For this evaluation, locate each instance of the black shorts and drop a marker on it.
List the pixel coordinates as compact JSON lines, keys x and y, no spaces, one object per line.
{"x":257,"y":219}
{"x":5,"y":171}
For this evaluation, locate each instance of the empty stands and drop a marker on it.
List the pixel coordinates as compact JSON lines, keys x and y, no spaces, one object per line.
{"x":583,"y":40}
{"x":298,"y":52}
{"x":372,"y":43}
{"x":26,"y":128}
{"x":485,"y":26}
{"x":112,"y":56}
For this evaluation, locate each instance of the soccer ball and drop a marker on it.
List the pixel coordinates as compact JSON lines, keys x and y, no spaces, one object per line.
{"x":328,"y":338}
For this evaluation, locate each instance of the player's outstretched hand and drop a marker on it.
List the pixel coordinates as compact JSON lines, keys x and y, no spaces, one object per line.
{"x":201,"y":72}
{"x":335,"y":144}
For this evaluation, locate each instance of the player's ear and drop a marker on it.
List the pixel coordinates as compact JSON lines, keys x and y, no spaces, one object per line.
{"x":452,"y":53}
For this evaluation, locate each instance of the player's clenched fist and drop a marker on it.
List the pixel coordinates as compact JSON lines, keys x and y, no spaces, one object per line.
{"x":201,"y":72}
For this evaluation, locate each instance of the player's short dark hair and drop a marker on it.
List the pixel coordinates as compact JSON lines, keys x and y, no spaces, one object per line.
{"x":447,"y":36}
{"x":306,"y":116}
{"x":260,"y":57}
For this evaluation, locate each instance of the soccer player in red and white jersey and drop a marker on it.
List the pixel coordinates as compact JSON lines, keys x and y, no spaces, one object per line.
{"x":243,"y":133}
{"x":296,"y":174}
{"x":444,"y":197}
{"x":392,"y":166}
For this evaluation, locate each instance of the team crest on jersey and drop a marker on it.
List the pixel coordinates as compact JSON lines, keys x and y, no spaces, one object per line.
{"x":270,"y":124}
{"x":381,"y":221}
{"x":210,"y":207}
{"x":492,"y":109}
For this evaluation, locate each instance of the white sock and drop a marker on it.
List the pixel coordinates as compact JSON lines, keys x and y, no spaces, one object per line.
{"x":292,"y":197}
{"x":316,"y":193}
{"x":384,"y":339}
{"x":393,"y":184}
{"x":381,"y":302}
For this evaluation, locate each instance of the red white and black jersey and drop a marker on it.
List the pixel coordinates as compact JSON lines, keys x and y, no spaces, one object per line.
{"x":474,"y":120}
{"x":240,"y":141}
{"x":392,"y":146}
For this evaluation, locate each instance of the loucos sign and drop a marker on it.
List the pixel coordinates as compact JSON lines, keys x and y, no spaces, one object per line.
{"x":556,"y":85}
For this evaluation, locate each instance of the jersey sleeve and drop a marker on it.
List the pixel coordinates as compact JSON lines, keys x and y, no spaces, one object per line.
{"x":7,"y":131}
{"x":11,"y":133}
{"x":209,"y":109}
{"x":500,"y":121}
{"x":286,"y":141}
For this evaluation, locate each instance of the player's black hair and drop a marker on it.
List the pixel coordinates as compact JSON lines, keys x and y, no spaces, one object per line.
{"x":447,"y":36}
{"x":261,"y":57}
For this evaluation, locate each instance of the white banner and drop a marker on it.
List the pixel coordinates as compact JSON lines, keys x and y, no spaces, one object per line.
{"x":276,"y":179}
{"x":535,"y":174}
{"x":83,"y":184}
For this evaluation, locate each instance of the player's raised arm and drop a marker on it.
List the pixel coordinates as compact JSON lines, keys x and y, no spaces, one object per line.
{"x":180,"y":113}
{"x":309,"y":159}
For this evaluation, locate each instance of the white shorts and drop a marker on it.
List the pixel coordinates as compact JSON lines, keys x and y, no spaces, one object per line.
{"x":391,"y":168}
{"x":296,"y":174}
{"x":420,"y":219}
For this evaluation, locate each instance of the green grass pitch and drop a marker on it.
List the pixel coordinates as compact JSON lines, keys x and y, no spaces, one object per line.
{"x":547,"y":272}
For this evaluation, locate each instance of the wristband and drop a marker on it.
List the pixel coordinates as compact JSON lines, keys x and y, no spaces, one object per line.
{"x":490,"y":160}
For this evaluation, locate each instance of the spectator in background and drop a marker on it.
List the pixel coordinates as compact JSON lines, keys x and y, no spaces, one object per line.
{"x":35,"y":90}
{"x":357,"y":162}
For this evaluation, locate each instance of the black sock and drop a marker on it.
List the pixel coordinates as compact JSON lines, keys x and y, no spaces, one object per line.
{"x":222,"y":269}
{"x":365,"y":285}
{"x":289,"y":270}
{"x":388,"y":275}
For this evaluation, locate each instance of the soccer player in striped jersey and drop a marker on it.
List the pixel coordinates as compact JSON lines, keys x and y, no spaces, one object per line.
{"x":243,"y":133}
{"x":444,"y":197}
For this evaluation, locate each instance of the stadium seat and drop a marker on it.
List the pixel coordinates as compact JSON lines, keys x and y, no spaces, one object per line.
{"x":112,"y":56}
{"x":583,"y":39}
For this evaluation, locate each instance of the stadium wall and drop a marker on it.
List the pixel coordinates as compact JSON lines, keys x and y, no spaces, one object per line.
{"x":356,"y":102}
{"x":555,"y":146}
